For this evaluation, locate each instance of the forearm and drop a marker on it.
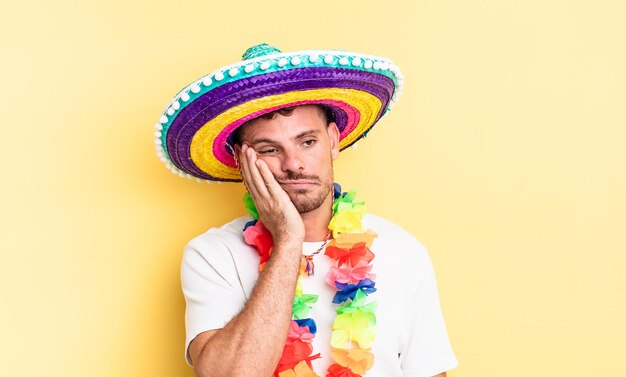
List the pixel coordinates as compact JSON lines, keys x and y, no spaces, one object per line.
{"x":247,"y":345}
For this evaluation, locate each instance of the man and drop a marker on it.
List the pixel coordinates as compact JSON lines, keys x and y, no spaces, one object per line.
{"x":366,"y":316}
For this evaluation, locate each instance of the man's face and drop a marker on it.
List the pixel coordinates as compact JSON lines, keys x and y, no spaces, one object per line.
{"x":299,"y":150}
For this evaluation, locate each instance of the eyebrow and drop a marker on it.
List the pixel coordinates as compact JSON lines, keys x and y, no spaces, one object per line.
{"x":270,"y":141}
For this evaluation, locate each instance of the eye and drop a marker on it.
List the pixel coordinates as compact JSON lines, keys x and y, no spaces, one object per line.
{"x":309,"y":142}
{"x":268,"y":151}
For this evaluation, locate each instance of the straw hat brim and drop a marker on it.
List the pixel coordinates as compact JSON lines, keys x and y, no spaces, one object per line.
{"x":194,"y":132}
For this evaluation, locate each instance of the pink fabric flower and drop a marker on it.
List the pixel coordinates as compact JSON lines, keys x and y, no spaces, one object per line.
{"x":349,"y":275}
{"x":301,"y":333}
{"x":258,"y":236}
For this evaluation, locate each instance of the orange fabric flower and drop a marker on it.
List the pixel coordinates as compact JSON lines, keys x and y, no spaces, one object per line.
{"x":347,"y":240}
{"x":337,"y":370}
{"x":302,"y":369}
{"x":355,"y":359}
{"x":358,"y":254}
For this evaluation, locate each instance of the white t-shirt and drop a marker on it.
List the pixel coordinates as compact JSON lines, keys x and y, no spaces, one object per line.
{"x":219,"y":271}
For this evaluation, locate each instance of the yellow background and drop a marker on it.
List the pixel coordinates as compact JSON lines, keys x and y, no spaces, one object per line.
{"x":505,"y":156}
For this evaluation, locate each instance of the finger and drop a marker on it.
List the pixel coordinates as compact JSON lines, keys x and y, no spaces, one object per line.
{"x":273,"y":187}
{"x":245,"y":172}
{"x":241,"y":163}
{"x":255,"y":175}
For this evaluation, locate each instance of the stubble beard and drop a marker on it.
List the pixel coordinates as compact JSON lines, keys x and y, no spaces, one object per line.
{"x":306,"y":203}
{"x":310,"y":200}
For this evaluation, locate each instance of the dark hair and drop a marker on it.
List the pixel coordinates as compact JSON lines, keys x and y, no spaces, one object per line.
{"x":325,"y":112}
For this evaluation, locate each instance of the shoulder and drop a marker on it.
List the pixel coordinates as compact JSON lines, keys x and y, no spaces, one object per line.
{"x":393,"y":234}
{"x":396,"y":248}
{"x":217,"y":243}
{"x":224,"y":232}
{"x":374,"y":221}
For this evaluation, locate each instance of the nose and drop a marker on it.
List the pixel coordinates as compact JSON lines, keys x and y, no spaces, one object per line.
{"x":292,"y":161}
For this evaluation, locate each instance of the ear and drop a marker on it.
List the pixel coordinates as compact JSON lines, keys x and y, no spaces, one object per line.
{"x":236,"y":151}
{"x":236,"y":154}
{"x":333,"y":137}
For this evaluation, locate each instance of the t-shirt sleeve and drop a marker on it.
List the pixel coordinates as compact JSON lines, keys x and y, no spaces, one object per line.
{"x":211,"y":286}
{"x":428,"y":351}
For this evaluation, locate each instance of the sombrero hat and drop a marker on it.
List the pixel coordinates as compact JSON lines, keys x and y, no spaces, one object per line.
{"x":193,"y":134}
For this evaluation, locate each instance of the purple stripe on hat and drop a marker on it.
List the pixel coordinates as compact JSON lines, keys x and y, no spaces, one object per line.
{"x":206,"y":107}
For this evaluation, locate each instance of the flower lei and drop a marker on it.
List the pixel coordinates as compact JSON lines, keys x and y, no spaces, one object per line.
{"x":352,"y":278}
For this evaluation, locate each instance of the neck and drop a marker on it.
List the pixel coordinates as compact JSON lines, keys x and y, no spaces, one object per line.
{"x":316,"y":221}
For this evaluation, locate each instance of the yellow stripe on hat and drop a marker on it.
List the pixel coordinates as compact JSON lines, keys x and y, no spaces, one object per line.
{"x":201,"y":149}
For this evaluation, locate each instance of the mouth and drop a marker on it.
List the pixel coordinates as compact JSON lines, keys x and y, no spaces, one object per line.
{"x":297,"y":185}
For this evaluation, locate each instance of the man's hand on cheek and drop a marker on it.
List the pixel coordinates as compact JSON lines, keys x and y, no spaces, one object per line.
{"x":276,"y":210}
